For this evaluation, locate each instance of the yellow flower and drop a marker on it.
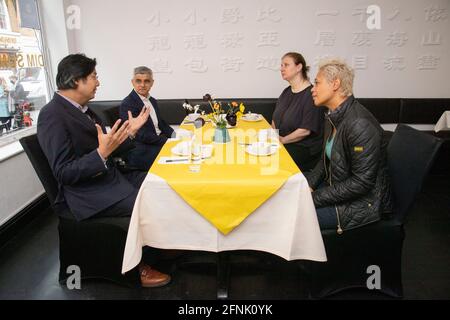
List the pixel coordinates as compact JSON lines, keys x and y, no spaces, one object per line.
{"x":241,"y":108}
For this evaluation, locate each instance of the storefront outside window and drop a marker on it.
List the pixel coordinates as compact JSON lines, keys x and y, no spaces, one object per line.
{"x":23,"y":80}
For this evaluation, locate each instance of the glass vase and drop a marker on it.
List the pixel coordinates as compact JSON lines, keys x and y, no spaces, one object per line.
{"x":221,"y":135}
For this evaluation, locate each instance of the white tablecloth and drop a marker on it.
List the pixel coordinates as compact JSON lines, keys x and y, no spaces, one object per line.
{"x":443,"y":122}
{"x":285,"y":225}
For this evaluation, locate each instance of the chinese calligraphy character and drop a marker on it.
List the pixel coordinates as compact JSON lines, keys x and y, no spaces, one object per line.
{"x":434,"y":14}
{"x":155,"y":19}
{"x":231,"y":64}
{"x":231,"y":15}
{"x":232,"y":40}
{"x":268,"y":39}
{"x":394,"y":63}
{"x":161,"y":66}
{"x":268,"y":13}
{"x":427,"y":62}
{"x":158,"y":43}
{"x":327,"y":13}
{"x":431,"y":39}
{"x":359,"y":62}
{"x":396,"y":39}
{"x":195,"y":41}
{"x":325,"y":38}
{"x":394,"y":15}
{"x":361,"y":38}
{"x":196,"y":65}
{"x":191,"y":18}
{"x":269,"y":63}
{"x":361,"y":12}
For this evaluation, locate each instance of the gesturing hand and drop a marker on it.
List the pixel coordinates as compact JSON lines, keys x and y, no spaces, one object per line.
{"x":109,"y":142}
{"x":138,"y":122}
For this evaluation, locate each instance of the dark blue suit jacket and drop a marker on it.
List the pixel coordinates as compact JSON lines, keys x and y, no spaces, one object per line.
{"x":147,"y":134}
{"x":68,"y":138}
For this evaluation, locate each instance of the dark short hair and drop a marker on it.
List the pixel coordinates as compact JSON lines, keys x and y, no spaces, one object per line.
{"x":298,"y":59}
{"x":72,"y":68}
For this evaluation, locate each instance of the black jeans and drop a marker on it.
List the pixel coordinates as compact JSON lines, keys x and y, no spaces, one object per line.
{"x":305,"y":158}
{"x":327,"y":217}
{"x":124,"y":207}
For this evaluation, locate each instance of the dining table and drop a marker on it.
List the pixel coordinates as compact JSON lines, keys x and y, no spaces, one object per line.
{"x":245,"y":194}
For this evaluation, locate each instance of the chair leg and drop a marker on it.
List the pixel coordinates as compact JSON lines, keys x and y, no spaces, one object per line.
{"x":223,"y":275}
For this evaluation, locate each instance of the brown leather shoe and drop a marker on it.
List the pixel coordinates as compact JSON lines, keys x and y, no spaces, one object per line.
{"x":151,"y":278}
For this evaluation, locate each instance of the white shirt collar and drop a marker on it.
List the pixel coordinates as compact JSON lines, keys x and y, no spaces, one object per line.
{"x":142,"y":97}
{"x":75,"y":104}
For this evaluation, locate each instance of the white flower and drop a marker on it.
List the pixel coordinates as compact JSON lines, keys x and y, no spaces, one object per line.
{"x":187,"y":106}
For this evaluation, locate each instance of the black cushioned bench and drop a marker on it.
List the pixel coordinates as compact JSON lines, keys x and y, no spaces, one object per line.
{"x":386,"y":110}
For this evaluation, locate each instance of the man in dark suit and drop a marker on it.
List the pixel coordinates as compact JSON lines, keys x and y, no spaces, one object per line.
{"x":77,"y":148}
{"x":155,"y":132}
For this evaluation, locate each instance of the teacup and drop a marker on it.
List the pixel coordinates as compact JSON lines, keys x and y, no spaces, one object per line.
{"x":262,"y":148}
{"x":184,"y":148}
{"x":262,"y":135}
{"x":252,"y":116}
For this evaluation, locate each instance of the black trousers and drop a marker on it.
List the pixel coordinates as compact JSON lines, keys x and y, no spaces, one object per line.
{"x":305,"y":158}
{"x":124,"y":207}
{"x":143,"y":156}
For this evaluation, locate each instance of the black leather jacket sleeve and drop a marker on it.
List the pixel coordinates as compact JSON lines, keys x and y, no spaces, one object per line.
{"x":317,"y":175}
{"x":362,"y":150}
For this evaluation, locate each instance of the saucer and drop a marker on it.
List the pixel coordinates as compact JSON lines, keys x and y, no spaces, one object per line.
{"x":268,"y":149}
{"x":254,"y":118}
{"x":184,"y":149}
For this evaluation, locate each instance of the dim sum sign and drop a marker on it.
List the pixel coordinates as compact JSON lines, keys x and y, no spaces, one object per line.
{"x":20,"y":60}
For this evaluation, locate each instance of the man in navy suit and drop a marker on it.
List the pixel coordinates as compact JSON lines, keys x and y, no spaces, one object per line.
{"x":78,"y":147}
{"x":155,"y":132}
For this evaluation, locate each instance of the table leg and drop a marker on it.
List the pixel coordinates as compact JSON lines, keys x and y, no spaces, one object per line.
{"x":223,"y":275}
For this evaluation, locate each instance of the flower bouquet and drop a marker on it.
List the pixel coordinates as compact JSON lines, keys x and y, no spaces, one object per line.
{"x":217,"y":115}
{"x":218,"y":118}
{"x":235,"y":111}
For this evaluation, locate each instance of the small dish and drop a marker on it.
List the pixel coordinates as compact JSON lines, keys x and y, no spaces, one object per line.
{"x":252,"y":117}
{"x":261,"y":149}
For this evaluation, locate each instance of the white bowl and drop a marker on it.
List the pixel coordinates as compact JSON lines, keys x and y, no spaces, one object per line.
{"x":193,"y":116}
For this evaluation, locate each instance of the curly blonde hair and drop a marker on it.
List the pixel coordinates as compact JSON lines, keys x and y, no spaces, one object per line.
{"x":334,"y":69}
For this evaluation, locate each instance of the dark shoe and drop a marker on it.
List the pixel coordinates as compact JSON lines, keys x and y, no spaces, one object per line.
{"x":151,"y":278}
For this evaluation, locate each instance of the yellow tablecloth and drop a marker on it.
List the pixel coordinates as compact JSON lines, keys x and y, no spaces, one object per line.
{"x":231,"y":184}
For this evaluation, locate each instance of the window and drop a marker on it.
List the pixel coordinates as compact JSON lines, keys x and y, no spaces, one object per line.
{"x":23,"y":80}
{"x":4,"y":17}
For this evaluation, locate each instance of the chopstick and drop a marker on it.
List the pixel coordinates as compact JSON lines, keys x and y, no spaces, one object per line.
{"x":248,"y":144}
{"x":177,"y":160}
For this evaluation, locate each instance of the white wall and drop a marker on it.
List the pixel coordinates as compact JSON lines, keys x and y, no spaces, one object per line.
{"x":185,"y":42}
{"x":19,"y":185}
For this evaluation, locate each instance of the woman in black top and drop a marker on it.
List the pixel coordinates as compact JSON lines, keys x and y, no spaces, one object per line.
{"x":299,"y":122}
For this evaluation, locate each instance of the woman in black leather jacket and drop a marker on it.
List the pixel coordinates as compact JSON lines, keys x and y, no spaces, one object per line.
{"x":350,"y":186}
